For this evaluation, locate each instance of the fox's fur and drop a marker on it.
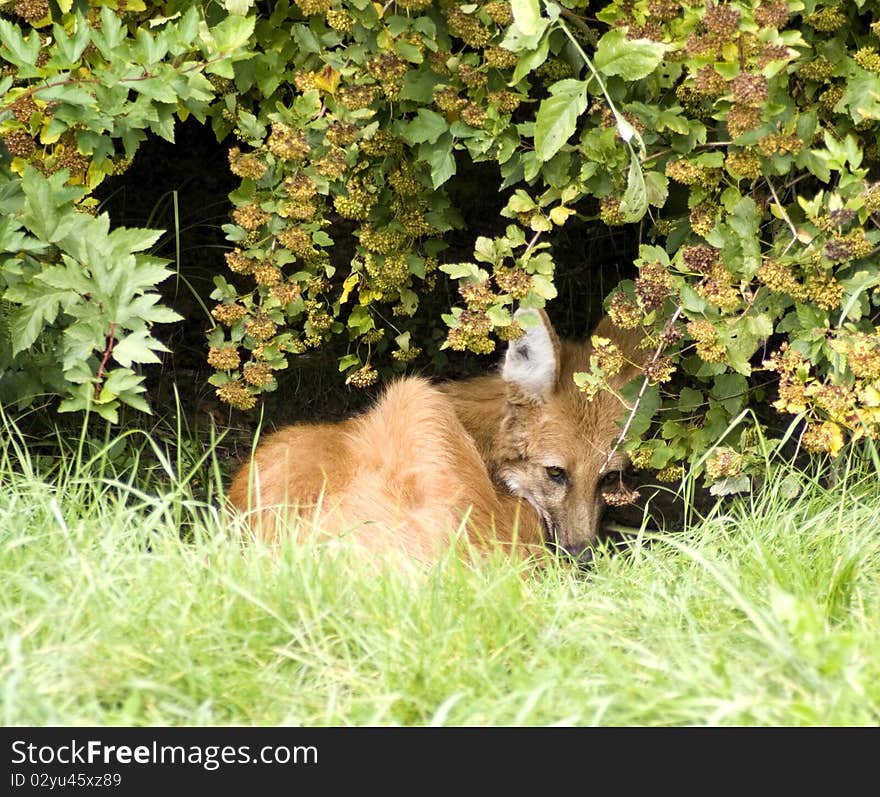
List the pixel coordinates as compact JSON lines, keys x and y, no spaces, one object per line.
{"x":519,"y":454}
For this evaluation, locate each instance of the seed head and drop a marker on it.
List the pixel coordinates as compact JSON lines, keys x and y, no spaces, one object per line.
{"x":660,"y":370}
{"x":724,"y":463}
{"x":500,"y":12}
{"x":825,"y":437}
{"x":363,"y":377}
{"x":285,"y":293}
{"x":247,"y":165}
{"x":671,"y":473}
{"x":743,"y":119}
{"x":310,"y":7}
{"x":236,"y":395}
{"x":261,"y":327}
{"x":749,"y":89}
{"x":624,"y":312}
{"x":499,"y":58}
{"x":700,"y":259}
{"x":257,"y":374}
{"x":31,"y":11}
{"x":709,"y":82}
{"x":239,"y":263}
{"x":743,"y":164}
{"x":772,"y":14}
{"x":341,"y":133}
{"x":250,"y":217}
{"x":19,"y":143}
{"x":224,"y":358}
{"x":653,"y":285}
{"x":828,"y":19}
{"x":229,"y":314}
{"x":286,"y":143}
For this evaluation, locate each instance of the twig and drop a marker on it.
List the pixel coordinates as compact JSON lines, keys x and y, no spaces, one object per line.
{"x":111,"y":342}
{"x":785,"y":216}
{"x":576,"y":20}
{"x":645,"y":382}
{"x":32,"y":90}
{"x":531,"y":245}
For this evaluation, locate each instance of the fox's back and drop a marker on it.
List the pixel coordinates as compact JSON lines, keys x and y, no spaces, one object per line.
{"x":401,"y":477}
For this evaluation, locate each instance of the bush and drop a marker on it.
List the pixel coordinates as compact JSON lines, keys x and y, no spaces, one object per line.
{"x":741,"y":137}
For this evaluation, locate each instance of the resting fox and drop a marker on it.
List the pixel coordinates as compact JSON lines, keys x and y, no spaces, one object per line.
{"x":521,"y":456}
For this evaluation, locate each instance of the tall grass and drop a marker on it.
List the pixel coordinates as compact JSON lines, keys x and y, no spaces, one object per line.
{"x":128,"y":599}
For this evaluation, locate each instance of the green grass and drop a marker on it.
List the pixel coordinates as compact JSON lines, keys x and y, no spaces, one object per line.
{"x":766,"y":613}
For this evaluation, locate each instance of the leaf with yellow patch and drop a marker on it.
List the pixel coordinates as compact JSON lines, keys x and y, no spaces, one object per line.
{"x":347,"y":287}
{"x":560,"y":214}
{"x":327,"y":79}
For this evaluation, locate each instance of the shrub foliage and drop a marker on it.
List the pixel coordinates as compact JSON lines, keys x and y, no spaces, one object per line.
{"x":741,"y":137}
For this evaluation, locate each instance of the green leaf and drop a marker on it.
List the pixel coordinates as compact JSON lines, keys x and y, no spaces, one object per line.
{"x":499,"y":315}
{"x":469,"y":271}
{"x":730,"y":391}
{"x":557,"y":116}
{"x":738,"y":360}
{"x":418,"y":85}
{"x":109,"y":412}
{"x":689,"y":399}
{"x":427,"y":127}
{"x":28,"y":322}
{"x":109,"y":35}
{"x":120,"y":380}
{"x":16,"y":49}
{"x":48,"y":213}
{"x":862,"y":96}
{"x":631,"y":59}
{"x":440,"y":158}
{"x":70,"y":278}
{"x":634,"y":203}
{"x":348,"y":361}
{"x":133,"y":398}
{"x":535,"y":54}
{"x":306,"y":39}
{"x":854,"y":287}
{"x":137,"y":347}
{"x":72,"y":48}
{"x":135,"y":239}
{"x":408,"y":51}
{"x":234,"y":32}
{"x":544,"y":287}
{"x":156,"y":88}
{"x":657,"y":188}
{"x":527,"y":15}
{"x":759,"y":326}
{"x":731,"y":485}
{"x":485,"y":250}
{"x":647,"y":407}
{"x":691,"y":301}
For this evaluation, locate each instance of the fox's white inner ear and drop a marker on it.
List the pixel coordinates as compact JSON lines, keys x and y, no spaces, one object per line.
{"x":531,"y":362}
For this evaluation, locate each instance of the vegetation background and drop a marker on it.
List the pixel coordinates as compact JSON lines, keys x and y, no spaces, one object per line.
{"x":215,"y":214}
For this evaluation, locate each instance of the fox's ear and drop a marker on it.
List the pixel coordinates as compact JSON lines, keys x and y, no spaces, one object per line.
{"x":532,"y":361}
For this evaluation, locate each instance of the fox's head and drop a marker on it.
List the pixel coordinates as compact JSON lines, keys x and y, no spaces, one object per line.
{"x":554,"y":441}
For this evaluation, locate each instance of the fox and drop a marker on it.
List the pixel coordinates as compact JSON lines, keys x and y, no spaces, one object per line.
{"x":519,"y":458}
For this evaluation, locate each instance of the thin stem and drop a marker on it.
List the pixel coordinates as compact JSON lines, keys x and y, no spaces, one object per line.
{"x":531,"y":245}
{"x":785,"y":216}
{"x":637,"y":403}
{"x":111,"y":342}
{"x":83,"y":81}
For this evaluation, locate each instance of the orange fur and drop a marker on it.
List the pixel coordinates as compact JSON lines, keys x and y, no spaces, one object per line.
{"x":402,"y":478}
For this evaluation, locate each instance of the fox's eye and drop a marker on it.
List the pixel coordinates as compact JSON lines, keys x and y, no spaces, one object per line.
{"x":558,"y":475}
{"x":610,"y":480}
